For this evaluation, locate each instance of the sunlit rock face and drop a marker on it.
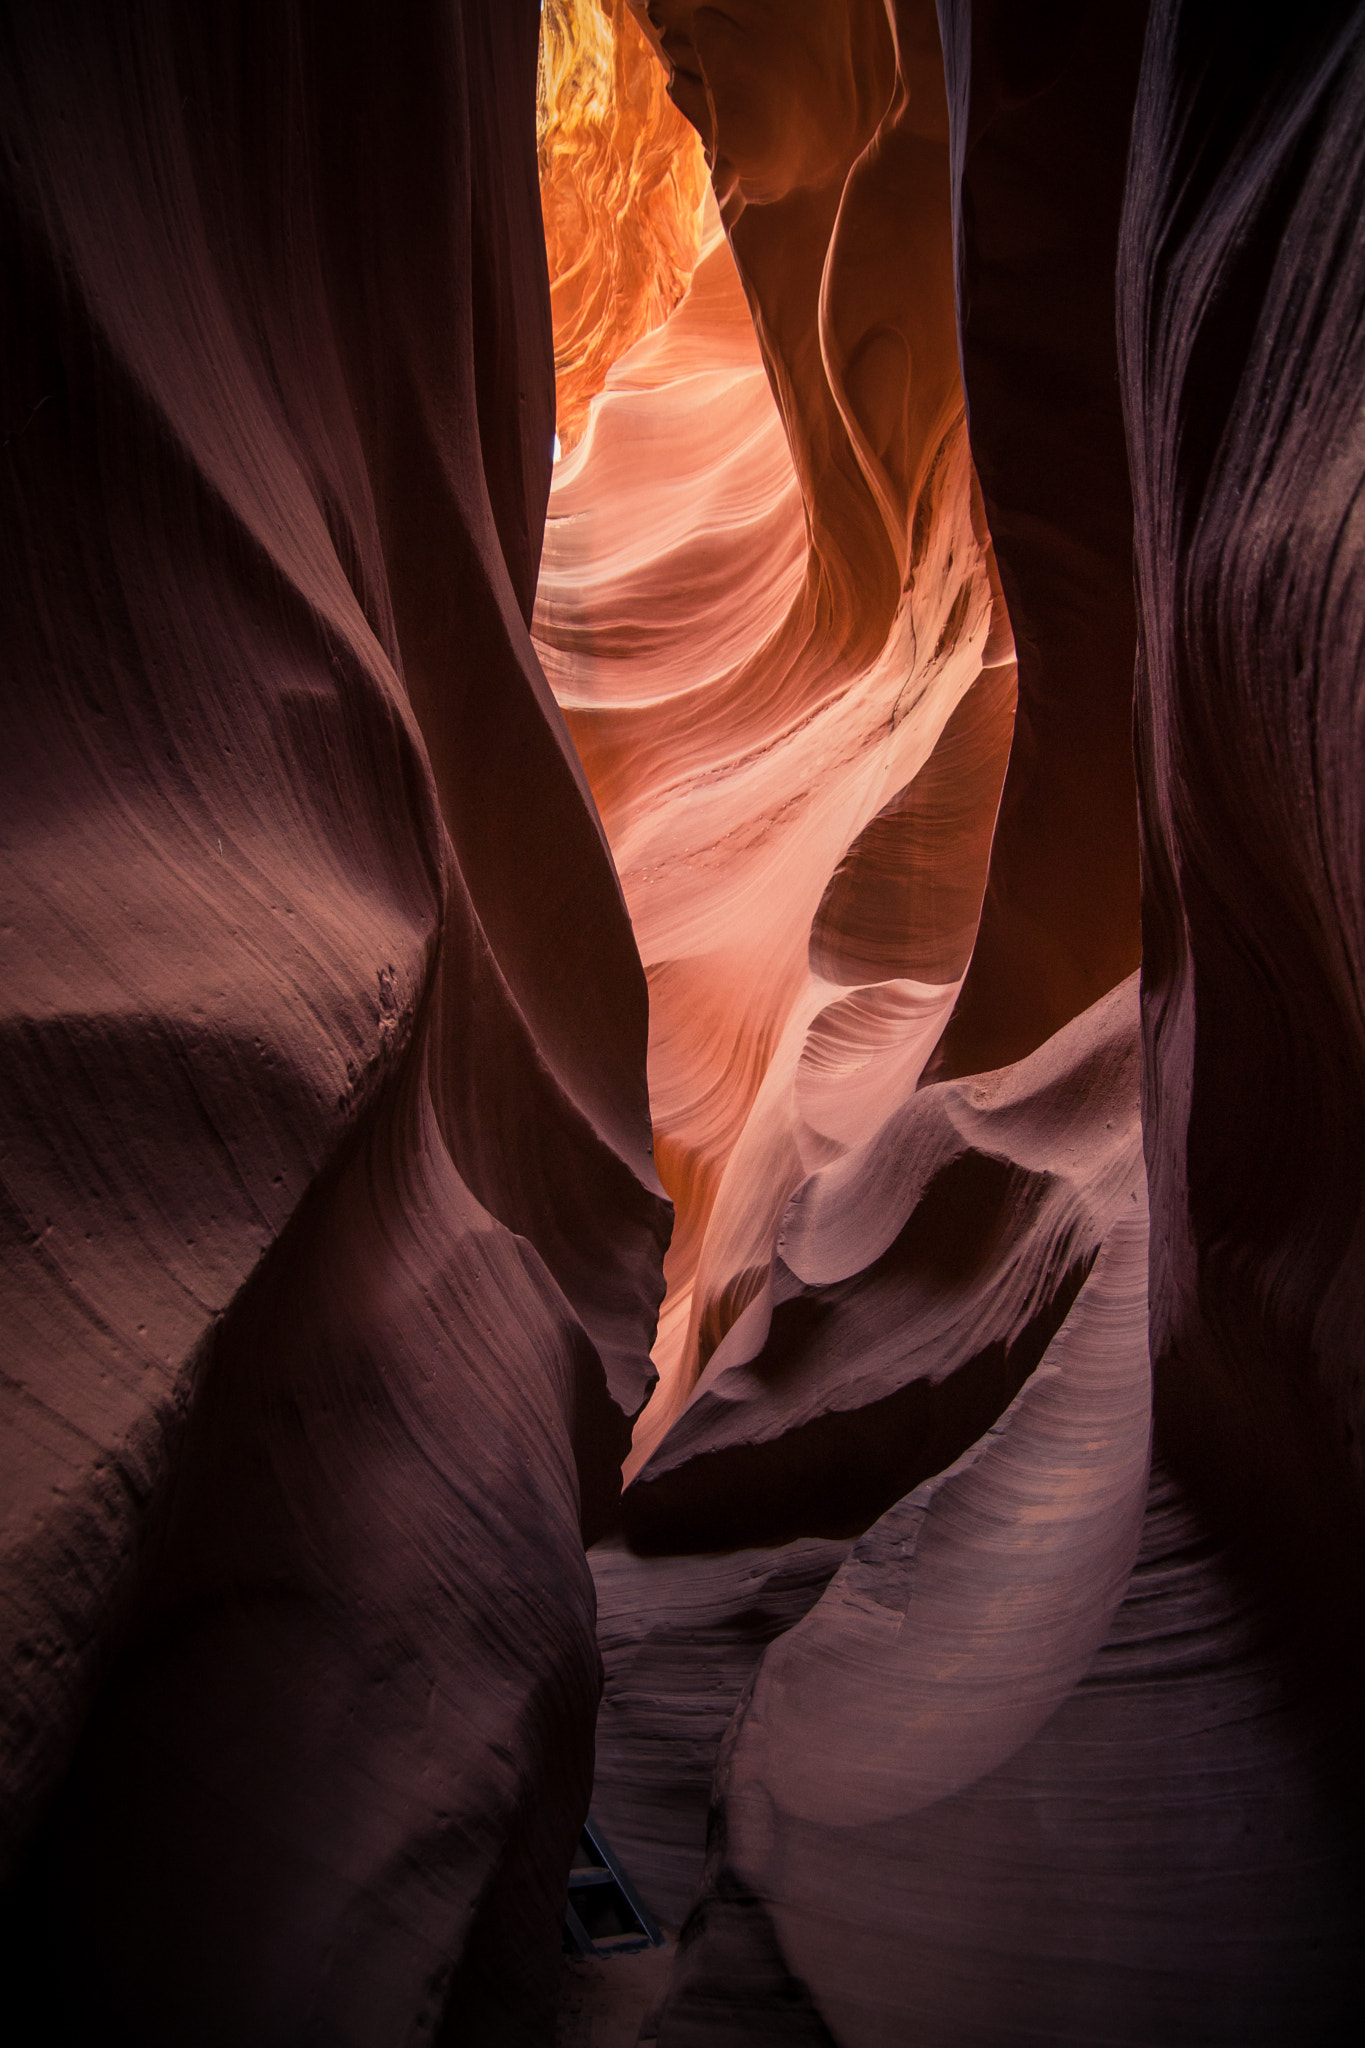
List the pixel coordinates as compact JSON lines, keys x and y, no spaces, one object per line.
{"x":622,"y":180}
{"x":331,"y":1236}
{"x":766,"y":607}
{"x":965,"y":1681}
{"x":958,"y":1689}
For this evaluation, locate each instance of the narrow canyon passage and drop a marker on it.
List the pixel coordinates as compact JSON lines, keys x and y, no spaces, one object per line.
{"x":764,"y":621}
{"x":897,"y":1574}
{"x":682,"y":1040}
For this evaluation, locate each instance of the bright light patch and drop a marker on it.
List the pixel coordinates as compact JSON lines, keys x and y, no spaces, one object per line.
{"x":622,"y":183}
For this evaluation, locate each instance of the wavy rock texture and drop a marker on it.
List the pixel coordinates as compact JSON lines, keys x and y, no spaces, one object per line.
{"x":990,"y":1239}
{"x":1039,"y":1762}
{"x":916,"y":1284}
{"x":1023,"y":1682}
{"x":1022,"y":1742}
{"x":1243,"y":282}
{"x":328,"y":1192}
{"x":1163,"y":1860}
{"x":1040,"y":97}
{"x":622,"y":181}
{"x":776,"y":641}
{"x":680,"y":1636}
{"x":1242,"y":285}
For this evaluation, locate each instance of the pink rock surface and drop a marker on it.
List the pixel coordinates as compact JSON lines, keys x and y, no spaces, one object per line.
{"x":1056,"y":1754}
{"x":680,"y":1637}
{"x":1167,"y":1858}
{"x":767,"y":608}
{"x":917,"y":1283}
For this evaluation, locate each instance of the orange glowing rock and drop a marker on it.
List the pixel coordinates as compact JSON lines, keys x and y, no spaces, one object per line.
{"x":622,"y":179}
{"x":768,"y":609}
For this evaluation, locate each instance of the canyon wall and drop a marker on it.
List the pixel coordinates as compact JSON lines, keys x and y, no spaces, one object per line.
{"x":1241,"y":288}
{"x":767,"y":605}
{"x":1017,"y":1684}
{"x":981,"y":1620}
{"x":622,"y":185}
{"x":332,"y":1234}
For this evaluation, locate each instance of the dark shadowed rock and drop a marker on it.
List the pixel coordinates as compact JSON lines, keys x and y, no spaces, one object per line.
{"x":311,"y":936}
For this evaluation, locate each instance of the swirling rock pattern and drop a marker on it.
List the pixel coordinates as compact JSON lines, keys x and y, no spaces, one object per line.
{"x":311,"y":936}
{"x":916,"y":1284}
{"x":991,"y":1240}
{"x":1040,"y":97}
{"x":1164,"y":1859}
{"x":778,"y":640}
{"x":680,"y":1637}
{"x":1027,"y":1744}
{"x":1242,"y":280}
{"x":991,"y":1560}
{"x":622,"y":180}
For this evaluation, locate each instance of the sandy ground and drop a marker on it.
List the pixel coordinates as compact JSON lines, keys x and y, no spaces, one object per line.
{"x":613,"y":2001}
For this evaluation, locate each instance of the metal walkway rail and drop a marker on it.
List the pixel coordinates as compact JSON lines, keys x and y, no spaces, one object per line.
{"x":605,"y":1915}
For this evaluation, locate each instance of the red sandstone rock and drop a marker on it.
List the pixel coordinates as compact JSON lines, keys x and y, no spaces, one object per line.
{"x":1241,"y":283}
{"x":917,"y":1282}
{"x":325,"y":1132}
{"x":1007,"y":1779}
{"x":680,"y":1637}
{"x":334,"y":1234}
{"x":1164,"y":1857}
{"x":1041,"y":97}
{"x":622,"y":180}
{"x":992,"y":1224}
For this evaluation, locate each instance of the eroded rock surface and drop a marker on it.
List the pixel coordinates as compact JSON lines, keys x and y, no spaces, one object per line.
{"x":1059,"y":1751}
{"x":966,"y":1679}
{"x":332,"y":1235}
{"x":768,"y":608}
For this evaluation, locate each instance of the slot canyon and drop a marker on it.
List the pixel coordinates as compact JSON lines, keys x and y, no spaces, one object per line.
{"x":682,"y":1121}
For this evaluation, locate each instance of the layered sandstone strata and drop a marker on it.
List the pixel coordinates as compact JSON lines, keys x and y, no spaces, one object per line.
{"x":332,"y":1235}
{"x":767,"y":607}
{"x":1011,"y":1737}
{"x":965,"y":1680}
